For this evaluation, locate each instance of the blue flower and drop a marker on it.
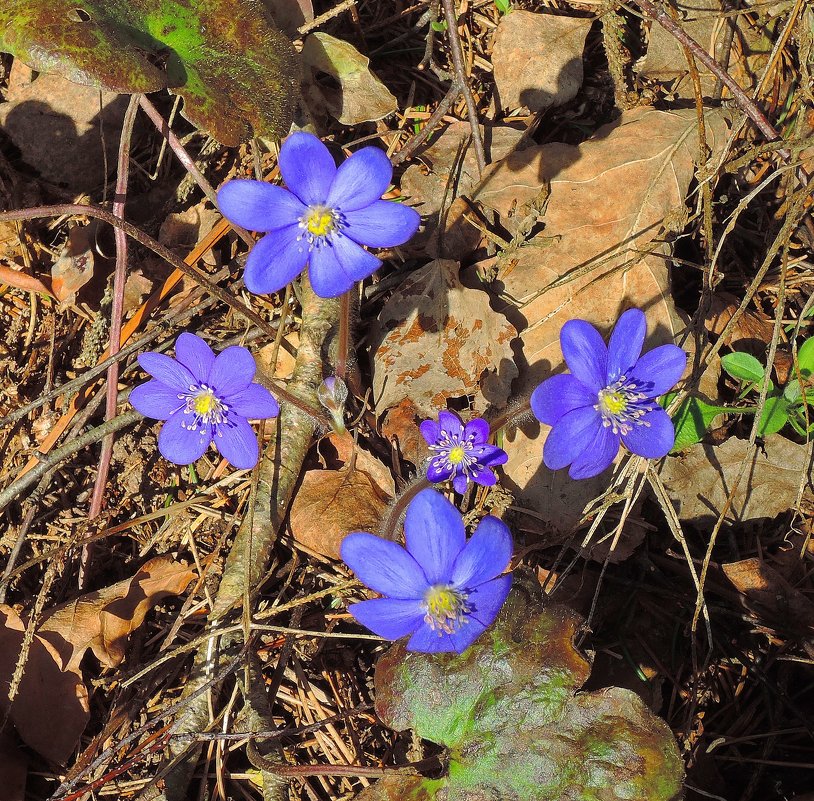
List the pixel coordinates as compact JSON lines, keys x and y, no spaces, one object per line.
{"x":441,"y":589}
{"x":204,"y":398}
{"x":461,"y":451}
{"x":322,"y":219}
{"x":609,"y":396}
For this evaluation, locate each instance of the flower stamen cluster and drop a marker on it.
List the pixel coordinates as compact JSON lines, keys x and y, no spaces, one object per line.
{"x":319,"y":223}
{"x":202,"y":402}
{"x":623,"y":405}
{"x":446,"y":608}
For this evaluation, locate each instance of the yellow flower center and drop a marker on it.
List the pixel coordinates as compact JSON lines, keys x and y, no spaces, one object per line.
{"x":456,"y":455}
{"x":319,"y":221}
{"x":205,"y":403}
{"x":446,"y":608}
{"x":613,"y":402}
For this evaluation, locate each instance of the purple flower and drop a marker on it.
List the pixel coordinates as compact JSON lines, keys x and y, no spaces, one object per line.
{"x":609,"y":396}
{"x":204,"y":398}
{"x":322,"y":219}
{"x":441,"y":589}
{"x":461,"y":451}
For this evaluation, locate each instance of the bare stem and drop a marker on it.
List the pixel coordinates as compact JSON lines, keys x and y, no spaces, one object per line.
{"x":343,"y":343}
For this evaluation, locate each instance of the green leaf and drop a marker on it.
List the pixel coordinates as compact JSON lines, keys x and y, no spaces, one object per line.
{"x":503,"y":6}
{"x":743,"y":366}
{"x":236,"y":72}
{"x":775,"y":415}
{"x":792,"y":393}
{"x":805,"y":358}
{"x":439,"y":26}
{"x":509,"y":711}
{"x":692,"y":420}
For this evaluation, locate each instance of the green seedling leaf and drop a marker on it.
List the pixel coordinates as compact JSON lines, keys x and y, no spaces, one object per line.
{"x":793,"y":392}
{"x":692,"y":420}
{"x":775,"y":415}
{"x":503,"y":6}
{"x":515,"y":726}
{"x":743,"y":366}
{"x":236,"y":72}
{"x":805,"y":358}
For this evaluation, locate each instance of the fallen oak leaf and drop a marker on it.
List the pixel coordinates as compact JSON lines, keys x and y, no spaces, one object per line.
{"x":50,"y":708}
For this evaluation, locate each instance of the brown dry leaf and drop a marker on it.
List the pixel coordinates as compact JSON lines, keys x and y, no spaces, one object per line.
{"x":50,"y":115}
{"x":772,"y":600}
{"x":751,"y":333}
{"x":331,"y":503}
{"x":603,"y":236}
{"x":537,"y":59}
{"x":699,"y":480}
{"x":50,"y":710}
{"x":362,"y":97}
{"x":436,"y":339}
{"x":20,"y":280}
{"x":136,"y":288}
{"x":74,"y":267}
{"x":184,"y":229}
{"x":449,"y":170}
{"x":103,"y":620}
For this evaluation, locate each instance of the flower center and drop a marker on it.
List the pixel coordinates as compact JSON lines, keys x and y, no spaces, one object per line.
{"x":454,"y":450}
{"x":446,"y":608}
{"x":624,"y":404}
{"x":457,"y":454}
{"x":208,"y":409}
{"x":319,"y":222}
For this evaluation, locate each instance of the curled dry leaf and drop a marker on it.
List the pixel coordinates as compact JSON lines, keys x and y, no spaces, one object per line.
{"x":700,"y":479}
{"x":592,"y":261}
{"x":537,"y":59}
{"x":362,"y":97}
{"x":50,"y":709}
{"x":436,"y":339}
{"x":751,"y":332}
{"x":74,"y":267}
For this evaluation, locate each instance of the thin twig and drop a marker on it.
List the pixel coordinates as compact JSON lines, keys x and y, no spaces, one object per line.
{"x":116,"y":314}
{"x":432,"y":121}
{"x":460,"y":72}
{"x":345,"y":5}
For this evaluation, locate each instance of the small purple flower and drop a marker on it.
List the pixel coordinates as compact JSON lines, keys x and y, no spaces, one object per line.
{"x":204,"y":398}
{"x":461,"y":451}
{"x":609,"y":396}
{"x":441,"y":589}
{"x":322,"y":219}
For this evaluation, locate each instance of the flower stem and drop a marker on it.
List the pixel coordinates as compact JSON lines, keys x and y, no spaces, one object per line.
{"x":343,"y":344}
{"x":510,"y":416}
{"x":391,"y":520}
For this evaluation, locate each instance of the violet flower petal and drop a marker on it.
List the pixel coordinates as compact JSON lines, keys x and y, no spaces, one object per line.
{"x":276,"y":260}
{"x":597,"y":456}
{"x":232,"y":371}
{"x":307,"y":167}
{"x":166,"y":370}
{"x":430,"y":430}
{"x":450,"y":423}
{"x":155,"y":399}
{"x":483,"y":476}
{"x":662,"y":366}
{"x":654,"y":439}
{"x":429,"y":641}
{"x":382,"y":224}
{"x":585,"y":353}
{"x":460,"y":483}
{"x":558,"y":395}
{"x":485,"y":555}
{"x":336,"y":266}
{"x":195,"y":355}
{"x":391,"y":618}
{"x":490,"y":455}
{"x":384,"y":566}
{"x":259,"y":206}
{"x":571,"y":435}
{"x":625,"y":344}
{"x":438,"y":470}
{"x":360,"y":180}
{"x":478,"y":429}
{"x":435,"y":534}
{"x":180,"y":445}
{"x":255,"y":403}
{"x":237,"y":442}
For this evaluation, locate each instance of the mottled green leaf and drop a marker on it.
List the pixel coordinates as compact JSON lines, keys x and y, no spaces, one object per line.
{"x":692,"y":421}
{"x":516,"y":728}
{"x":236,"y":72}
